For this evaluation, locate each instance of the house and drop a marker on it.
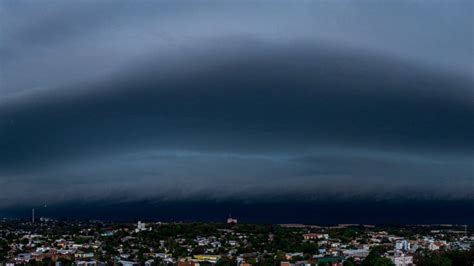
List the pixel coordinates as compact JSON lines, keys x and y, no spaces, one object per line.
{"x":311,"y":236}
{"x":87,"y":263}
{"x":127,"y":263}
{"x":436,"y":245}
{"x":356,"y":253}
{"x":23,"y":257}
{"x":210,"y":258}
{"x":402,"y":260}
{"x":302,"y":263}
{"x":333,"y":261}
{"x":289,"y":256}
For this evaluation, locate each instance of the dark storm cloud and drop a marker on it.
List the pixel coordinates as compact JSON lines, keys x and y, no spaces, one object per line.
{"x":281,"y":98}
{"x":235,"y":101}
{"x":161,"y":175}
{"x":318,"y":175}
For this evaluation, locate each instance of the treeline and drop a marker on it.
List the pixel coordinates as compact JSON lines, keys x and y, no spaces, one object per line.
{"x":445,"y":258}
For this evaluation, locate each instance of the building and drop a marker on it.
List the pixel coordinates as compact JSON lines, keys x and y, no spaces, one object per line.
{"x":230,"y":220}
{"x":333,"y":261}
{"x":311,"y":236}
{"x":289,"y":256}
{"x":87,"y":263}
{"x":140,"y":227}
{"x":209,"y":258}
{"x":402,"y":245}
{"x":356,"y":253}
{"x":127,"y":263}
{"x":402,"y":260}
{"x":436,"y":245}
{"x":23,"y":257}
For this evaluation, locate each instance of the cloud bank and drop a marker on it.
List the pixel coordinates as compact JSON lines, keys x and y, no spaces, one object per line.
{"x":153,"y":101}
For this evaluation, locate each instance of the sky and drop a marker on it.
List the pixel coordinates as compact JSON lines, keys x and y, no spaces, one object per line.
{"x":254,"y":102}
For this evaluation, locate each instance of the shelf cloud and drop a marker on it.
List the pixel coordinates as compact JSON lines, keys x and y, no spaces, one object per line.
{"x":151,"y":101}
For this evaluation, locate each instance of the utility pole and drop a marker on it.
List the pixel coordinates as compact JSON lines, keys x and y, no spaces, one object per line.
{"x":33,"y":215}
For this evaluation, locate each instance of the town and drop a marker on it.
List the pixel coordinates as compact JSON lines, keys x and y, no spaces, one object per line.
{"x":92,"y":243}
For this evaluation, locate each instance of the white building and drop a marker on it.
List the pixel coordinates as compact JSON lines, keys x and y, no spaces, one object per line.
{"x":128,"y":263}
{"x":402,"y":260}
{"x":140,"y":226}
{"x":402,"y":245}
{"x":436,"y":245}
{"x":86,"y":263}
{"x":358,"y":253}
{"x":23,"y":257}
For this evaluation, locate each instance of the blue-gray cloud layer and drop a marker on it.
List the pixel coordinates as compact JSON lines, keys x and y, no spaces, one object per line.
{"x":154,"y":101}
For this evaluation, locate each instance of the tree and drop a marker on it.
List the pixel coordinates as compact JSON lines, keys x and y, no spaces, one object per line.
{"x":349,"y":262}
{"x":280,"y":256}
{"x":383,"y":262}
{"x":440,"y":260}
{"x":226,"y":261}
{"x":309,"y":248}
{"x":375,"y":256}
{"x":296,"y":258}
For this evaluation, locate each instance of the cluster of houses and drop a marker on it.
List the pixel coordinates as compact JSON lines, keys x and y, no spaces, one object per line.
{"x":224,"y":242}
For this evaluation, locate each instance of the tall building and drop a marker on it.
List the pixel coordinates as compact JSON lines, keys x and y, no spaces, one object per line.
{"x":140,"y":226}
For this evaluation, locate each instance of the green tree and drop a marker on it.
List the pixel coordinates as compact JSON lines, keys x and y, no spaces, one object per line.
{"x":380,"y":261}
{"x":348,"y":262}
{"x":226,"y":261}
{"x":374,"y":255}
{"x":439,"y":260}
